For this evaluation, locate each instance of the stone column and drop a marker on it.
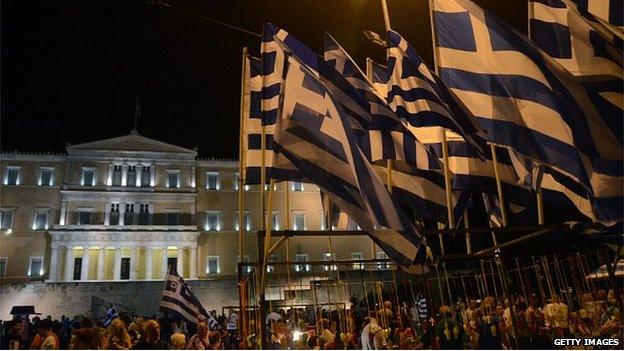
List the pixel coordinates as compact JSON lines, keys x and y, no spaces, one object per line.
{"x":139,"y":172}
{"x":153,"y":175}
{"x":101,"y":263}
{"x":109,"y":176}
{"x":117,"y":264}
{"x":122,"y":211}
{"x":84,"y":270}
{"x":148,"y":262}
{"x":52,"y":276}
{"x":69,"y":264}
{"x":107,"y":211}
{"x":63,"y":219}
{"x":193,"y":262}
{"x":124,"y":174}
{"x":192,"y":170}
{"x":180,"y":261}
{"x":133,"y":263}
{"x":164,"y":262}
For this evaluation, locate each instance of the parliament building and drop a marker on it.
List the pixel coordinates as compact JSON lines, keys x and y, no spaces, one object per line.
{"x":129,"y":207}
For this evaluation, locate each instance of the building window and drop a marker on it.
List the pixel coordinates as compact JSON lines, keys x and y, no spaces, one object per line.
{"x":172,"y":218}
{"x":357,"y":256}
{"x":131,"y":177}
{"x":84,"y":217}
{"x":212,"y":265}
{"x":13,"y":175}
{"x":212,"y":181}
{"x":124,"y":272}
{"x":114,"y":214}
{"x":6,"y":219}
{"x":144,"y":214}
{"x":246,"y":259}
{"x":246,"y":221}
{"x":145,"y":176}
{"x":330,"y":257}
{"x":117,"y":175}
{"x":173,"y":179}
{"x":270,"y":267}
{"x":45,"y":176}
{"x":41,"y":219}
{"x":297,"y":186}
{"x":212,"y":221}
{"x":35,"y":268}
{"x":382,"y":256}
{"x":77,"y":268}
{"x":299,"y":221}
{"x":88,"y":177}
{"x":301,"y":257}
{"x":129,"y":214}
{"x":3,"y":266}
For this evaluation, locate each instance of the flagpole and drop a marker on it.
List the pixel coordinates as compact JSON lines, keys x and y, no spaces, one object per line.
{"x":499,"y":185}
{"x":384,"y":7}
{"x":369,"y":75}
{"x":540,"y":206}
{"x":241,"y":146}
{"x":241,"y":156}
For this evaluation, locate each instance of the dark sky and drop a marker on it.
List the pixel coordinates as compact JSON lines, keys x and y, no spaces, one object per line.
{"x":71,"y":69}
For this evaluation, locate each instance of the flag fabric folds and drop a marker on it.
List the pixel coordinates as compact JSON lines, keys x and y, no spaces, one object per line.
{"x":528,"y":102}
{"x":177,"y":298}
{"x":417,"y":94}
{"x":314,"y":134}
{"x":417,"y":185}
{"x":252,"y":131}
{"x":580,"y":43}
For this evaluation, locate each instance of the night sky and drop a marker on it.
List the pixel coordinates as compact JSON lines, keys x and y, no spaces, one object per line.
{"x":71,"y":70}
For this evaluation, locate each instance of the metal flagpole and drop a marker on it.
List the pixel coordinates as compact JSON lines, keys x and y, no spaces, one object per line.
{"x":240,"y":182}
{"x":369,"y":75}
{"x":499,"y":185}
{"x":240,"y":157}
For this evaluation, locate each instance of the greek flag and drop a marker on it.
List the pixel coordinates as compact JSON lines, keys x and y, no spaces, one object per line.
{"x":111,"y":315}
{"x":528,"y":102}
{"x":380,"y":79}
{"x":608,"y":12}
{"x":177,"y":298}
{"x":314,"y":134}
{"x":417,"y":95}
{"x":580,"y":43}
{"x":419,"y":186}
{"x":252,"y":131}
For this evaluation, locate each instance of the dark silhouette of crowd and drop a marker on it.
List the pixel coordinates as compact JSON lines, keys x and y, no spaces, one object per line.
{"x":475,"y":324}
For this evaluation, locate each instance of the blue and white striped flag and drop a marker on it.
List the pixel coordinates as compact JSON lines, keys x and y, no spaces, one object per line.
{"x":314,"y":134}
{"x":608,"y":12}
{"x":177,"y":298}
{"x":111,"y":315}
{"x":252,"y":131}
{"x":417,"y":95}
{"x":580,"y":43}
{"x":527,"y":101}
{"x":419,"y":186}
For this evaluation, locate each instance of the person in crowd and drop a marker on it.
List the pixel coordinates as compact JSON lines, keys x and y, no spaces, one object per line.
{"x":214,"y":340}
{"x":150,"y":338}
{"x":200,"y":340}
{"x":118,"y":337}
{"x":177,"y":341}
{"x":278,"y":337}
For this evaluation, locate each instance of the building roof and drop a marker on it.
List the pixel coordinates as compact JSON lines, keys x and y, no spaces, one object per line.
{"x":131,"y":142}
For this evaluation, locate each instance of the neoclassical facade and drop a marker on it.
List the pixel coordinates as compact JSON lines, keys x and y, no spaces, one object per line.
{"x":130,"y":207}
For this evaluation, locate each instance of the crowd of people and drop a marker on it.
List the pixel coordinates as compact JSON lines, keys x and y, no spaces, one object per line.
{"x":475,"y":324}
